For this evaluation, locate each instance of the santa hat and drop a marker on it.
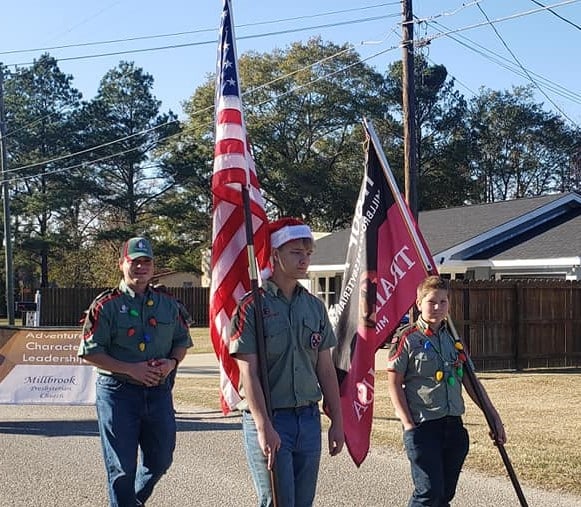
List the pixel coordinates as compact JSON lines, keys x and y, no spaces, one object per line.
{"x":288,"y":229}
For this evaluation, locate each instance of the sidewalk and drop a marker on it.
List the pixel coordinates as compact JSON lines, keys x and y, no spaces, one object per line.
{"x":204,"y":365}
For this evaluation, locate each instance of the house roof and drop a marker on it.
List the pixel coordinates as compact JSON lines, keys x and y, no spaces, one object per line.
{"x":444,"y":228}
{"x":530,"y":228}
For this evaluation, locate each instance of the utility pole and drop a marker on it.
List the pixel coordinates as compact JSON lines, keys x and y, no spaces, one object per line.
{"x":6,"y":208}
{"x":409,"y":110}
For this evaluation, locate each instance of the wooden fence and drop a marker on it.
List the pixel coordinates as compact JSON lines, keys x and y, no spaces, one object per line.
{"x":506,"y":324}
{"x":519,"y":324}
{"x":66,"y":307}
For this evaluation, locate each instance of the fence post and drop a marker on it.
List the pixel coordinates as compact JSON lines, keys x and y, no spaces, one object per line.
{"x":466,"y":313}
{"x":38,"y":301}
{"x":516,"y":325}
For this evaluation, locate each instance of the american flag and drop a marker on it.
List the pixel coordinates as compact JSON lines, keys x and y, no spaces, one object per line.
{"x":233,"y":169}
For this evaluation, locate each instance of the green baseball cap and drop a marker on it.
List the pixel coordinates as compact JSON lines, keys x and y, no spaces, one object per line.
{"x":136,"y":247}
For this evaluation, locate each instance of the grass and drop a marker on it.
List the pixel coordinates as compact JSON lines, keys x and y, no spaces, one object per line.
{"x":541,"y":411}
{"x":201,"y":338}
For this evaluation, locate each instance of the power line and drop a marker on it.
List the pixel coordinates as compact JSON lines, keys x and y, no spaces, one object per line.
{"x":206,"y":42}
{"x":203,"y":43}
{"x":249,"y":92}
{"x":558,"y":15}
{"x":428,"y":40}
{"x":191,"y":32}
{"x":505,"y":63}
{"x":291,"y":91}
{"x":523,"y":68}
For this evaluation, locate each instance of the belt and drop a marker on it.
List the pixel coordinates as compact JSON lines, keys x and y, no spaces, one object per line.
{"x":132,"y":381}
{"x":295,"y":410}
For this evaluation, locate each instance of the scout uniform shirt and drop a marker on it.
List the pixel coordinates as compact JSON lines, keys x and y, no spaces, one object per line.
{"x":294,"y":332}
{"x":132,"y":327}
{"x":432,"y":368}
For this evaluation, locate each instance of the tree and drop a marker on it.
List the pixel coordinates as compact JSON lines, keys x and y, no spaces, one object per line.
{"x":40,"y":102}
{"x":520,"y":149}
{"x":303,"y":107}
{"x":442,"y":136}
{"x":125,"y":124}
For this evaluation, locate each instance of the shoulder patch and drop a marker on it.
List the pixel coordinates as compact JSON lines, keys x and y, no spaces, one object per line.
{"x":398,"y":338}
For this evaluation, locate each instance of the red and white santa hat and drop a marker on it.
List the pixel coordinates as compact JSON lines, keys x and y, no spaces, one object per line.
{"x":288,"y":229}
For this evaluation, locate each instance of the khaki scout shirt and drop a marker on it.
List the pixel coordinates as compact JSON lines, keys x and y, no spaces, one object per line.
{"x":294,"y":332}
{"x":418,"y":357}
{"x":132,"y":327}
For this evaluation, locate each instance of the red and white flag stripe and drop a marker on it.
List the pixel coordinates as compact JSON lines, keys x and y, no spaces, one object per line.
{"x":233,"y":169}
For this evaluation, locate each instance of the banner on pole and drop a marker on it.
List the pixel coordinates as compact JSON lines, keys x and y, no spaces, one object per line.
{"x":386,"y":260}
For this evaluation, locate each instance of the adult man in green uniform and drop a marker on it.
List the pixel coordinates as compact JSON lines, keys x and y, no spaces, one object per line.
{"x":136,"y":337}
{"x":298,"y":338}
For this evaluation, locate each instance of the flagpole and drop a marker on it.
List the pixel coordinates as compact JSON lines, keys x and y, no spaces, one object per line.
{"x":479,"y":393}
{"x":260,"y":340}
{"x":428,"y":263}
{"x":478,"y":389}
{"x":233,"y":129}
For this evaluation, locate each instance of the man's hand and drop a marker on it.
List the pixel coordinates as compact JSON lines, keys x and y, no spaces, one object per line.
{"x":269,"y":442}
{"x":336,"y":437}
{"x":146,"y":372}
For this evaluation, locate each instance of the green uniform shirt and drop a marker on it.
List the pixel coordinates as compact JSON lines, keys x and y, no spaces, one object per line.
{"x":418,"y":357}
{"x":132,"y":327}
{"x":294,"y":332}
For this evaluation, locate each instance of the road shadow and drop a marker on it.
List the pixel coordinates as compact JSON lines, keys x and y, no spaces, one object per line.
{"x":52,"y":428}
{"x":194,"y":371}
{"x":199,"y":421}
{"x":211,"y":421}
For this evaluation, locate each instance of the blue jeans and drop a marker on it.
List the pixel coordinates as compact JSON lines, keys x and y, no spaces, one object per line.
{"x":134,"y":418}
{"x":436,"y":450}
{"x":297,"y":461}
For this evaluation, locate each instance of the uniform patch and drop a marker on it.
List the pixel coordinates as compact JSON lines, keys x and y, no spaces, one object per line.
{"x":316,"y":340}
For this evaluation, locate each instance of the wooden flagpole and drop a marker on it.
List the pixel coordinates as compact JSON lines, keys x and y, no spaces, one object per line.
{"x":260,"y":340}
{"x":428,"y":262}
{"x":478,"y":391}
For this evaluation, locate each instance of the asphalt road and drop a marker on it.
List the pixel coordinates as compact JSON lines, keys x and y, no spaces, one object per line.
{"x":50,"y":457}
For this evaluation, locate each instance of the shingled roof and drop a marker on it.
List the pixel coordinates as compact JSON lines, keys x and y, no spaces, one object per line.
{"x":529,"y":228}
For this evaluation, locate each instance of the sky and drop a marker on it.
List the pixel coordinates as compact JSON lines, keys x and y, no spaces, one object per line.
{"x":545,"y":45}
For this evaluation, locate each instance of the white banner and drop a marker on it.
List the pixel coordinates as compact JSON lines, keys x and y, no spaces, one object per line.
{"x":41,"y":366}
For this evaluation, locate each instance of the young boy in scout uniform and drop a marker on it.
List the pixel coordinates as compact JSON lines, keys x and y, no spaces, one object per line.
{"x":425,"y":379}
{"x":298,"y":339}
{"x":136,"y":337}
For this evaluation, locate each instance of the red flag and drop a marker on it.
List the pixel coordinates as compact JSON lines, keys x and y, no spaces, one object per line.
{"x":386,"y":260}
{"x":233,"y":169}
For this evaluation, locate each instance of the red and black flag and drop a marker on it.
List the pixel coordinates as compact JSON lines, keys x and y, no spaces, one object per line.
{"x":386,"y":260}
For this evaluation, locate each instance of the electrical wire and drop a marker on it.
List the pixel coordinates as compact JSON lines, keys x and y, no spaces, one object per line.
{"x":108,"y":157}
{"x":192,"y":32}
{"x":428,"y":40}
{"x":505,"y":63}
{"x":294,"y":89}
{"x":177,"y":46}
{"x":204,"y":43}
{"x":558,"y":15}
{"x":536,"y":85}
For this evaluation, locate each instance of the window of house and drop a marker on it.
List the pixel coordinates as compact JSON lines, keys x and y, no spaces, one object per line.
{"x":327,"y":288}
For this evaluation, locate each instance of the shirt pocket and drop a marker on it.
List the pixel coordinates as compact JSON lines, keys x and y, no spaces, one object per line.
{"x":312,"y":335}
{"x":276,"y":337}
{"x":164,"y":331}
{"x":127,"y":326}
{"x":426,"y":362}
